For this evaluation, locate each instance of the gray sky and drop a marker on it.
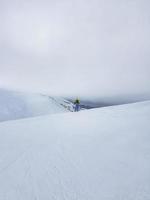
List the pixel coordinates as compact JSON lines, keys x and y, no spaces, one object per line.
{"x":75,"y":47}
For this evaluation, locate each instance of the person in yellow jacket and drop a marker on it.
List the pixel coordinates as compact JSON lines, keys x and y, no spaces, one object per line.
{"x":77,"y":105}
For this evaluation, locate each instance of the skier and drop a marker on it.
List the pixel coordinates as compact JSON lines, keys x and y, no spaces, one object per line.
{"x":77,"y":105}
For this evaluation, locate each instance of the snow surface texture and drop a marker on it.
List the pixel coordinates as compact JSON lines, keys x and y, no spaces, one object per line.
{"x":99,"y":154}
{"x":15,"y":105}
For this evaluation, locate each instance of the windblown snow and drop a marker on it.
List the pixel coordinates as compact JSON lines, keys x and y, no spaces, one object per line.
{"x":99,"y":154}
{"x":15,"y":105}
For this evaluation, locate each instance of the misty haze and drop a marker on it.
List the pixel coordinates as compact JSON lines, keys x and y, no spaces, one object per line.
{"x":74,"y":100}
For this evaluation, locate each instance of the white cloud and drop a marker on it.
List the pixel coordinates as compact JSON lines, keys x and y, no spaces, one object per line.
{"x":77,"y":47}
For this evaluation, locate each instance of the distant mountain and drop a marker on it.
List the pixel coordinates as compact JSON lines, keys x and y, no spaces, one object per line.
{"x":15,"y":105}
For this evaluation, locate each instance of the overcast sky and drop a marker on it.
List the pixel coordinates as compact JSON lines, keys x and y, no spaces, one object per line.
{"x":75,"y":47}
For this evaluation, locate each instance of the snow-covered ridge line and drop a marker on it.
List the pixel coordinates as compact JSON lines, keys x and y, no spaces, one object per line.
{"x":16,"y":105}
{"x":95,"y":154}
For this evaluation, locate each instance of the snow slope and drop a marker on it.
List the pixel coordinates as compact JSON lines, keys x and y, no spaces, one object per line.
{"x":99,"y":154}
{"x":15,"y":105}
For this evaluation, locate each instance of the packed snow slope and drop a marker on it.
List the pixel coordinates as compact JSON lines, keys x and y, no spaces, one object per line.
{"x":99,"y":154}
{"x":15,"y":105}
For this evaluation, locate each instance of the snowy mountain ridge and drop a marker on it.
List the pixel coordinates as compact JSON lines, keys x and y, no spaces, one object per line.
{"x":102,"y":153}
{"x":16,"y":105}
